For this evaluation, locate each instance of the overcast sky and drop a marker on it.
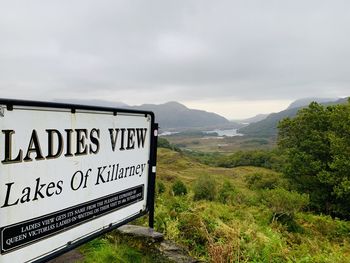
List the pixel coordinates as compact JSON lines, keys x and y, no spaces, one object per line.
{"x":236,"y":58}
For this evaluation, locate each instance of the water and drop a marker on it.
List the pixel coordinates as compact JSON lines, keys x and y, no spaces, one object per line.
{"x":221,"y":133}
{"x":167,"y":133}
{"x":227,"y":133}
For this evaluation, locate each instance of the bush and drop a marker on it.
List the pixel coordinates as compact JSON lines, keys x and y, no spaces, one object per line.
{"x":160,"y":187}
{"x":226,"y":193}
{"x":179,"y":188}
{"x":164,"y":143}
{"x":284,"y":204}
{"x":258,"y":158}
{"x":192,"y":230}
{"x":204,"y":188}
{"x":258,"y":181}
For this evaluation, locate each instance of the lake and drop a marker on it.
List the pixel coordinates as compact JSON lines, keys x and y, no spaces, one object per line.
{"x":228,"y":133}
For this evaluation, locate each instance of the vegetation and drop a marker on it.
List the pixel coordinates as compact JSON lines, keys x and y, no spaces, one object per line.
{"x":272,"y":159}
{"x":268,"y":127}
{"x":226,"y":193}
{"x":284,"y":203}
{"x":254,"y":217}
{"x":289,"y":204}
{"x":164,"y":143}
{"x":210,"y":143}
{"x":205,"y":188}
{"x":110,"y":249}
{"x":317,"y":146}
{"x":258,"y":158}
{"x":160,"y":187}
{"x":179,"y":188}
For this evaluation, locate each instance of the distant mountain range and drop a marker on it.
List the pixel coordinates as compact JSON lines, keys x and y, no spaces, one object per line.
{"x":168,"y":115}
{"x":256,"y":118}
{"x":268,"y":126}
{"x":306,"y":101}
{"x":176,"y":115}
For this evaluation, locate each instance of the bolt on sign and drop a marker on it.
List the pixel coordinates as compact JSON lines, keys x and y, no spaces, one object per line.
{"x":69,"y":173}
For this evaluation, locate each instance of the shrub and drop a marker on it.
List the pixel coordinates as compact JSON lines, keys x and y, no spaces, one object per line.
{"x":160,"y":187}
{"x":226,"y":193}
{"x":259,"y":158}
{"x":179,"y":188}
{"x":164,"y":143}
{"x":204,"y":188}
{"x":284,"y":204}
{"x":259,"y":181}
{"x":192,"y":230}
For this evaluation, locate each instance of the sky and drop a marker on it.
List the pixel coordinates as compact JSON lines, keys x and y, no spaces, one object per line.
{"x":237,"y":58}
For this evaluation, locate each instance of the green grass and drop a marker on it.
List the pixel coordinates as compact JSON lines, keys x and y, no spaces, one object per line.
{"x":111,"y":249}
{"x":222,"y":145}
{"x":239,"y":230}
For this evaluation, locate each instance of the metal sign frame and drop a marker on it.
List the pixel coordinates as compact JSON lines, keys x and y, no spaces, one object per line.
{"x":11,"y":105}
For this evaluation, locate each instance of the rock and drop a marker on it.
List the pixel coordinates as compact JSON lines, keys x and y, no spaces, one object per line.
{"x":141,"y":232}
{"x":175,"y":253}
{"x":168,"y":249}
{"x":165,"y":250}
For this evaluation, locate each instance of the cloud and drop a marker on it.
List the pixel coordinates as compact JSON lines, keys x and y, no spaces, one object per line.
{"x":155,"y":51}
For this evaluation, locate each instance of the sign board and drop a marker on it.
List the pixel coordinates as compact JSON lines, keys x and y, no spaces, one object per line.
{"x":69,"y":173}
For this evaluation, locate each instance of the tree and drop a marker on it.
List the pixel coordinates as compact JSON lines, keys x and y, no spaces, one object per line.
{"x":164,"y":143}
{"x":317,"y":146}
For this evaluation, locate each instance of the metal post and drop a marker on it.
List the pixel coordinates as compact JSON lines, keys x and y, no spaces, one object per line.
{"x":152,"y":182}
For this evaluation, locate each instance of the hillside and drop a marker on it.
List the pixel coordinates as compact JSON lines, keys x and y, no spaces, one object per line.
{"x":168,"y":115}
{"x":268,"y":126}
{"x":253,"y":119}
{"x":306,"y":101}
{"x":176,"y":115}
{"x":236,"y":225}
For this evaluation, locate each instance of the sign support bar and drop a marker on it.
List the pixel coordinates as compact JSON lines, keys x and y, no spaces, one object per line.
{"x":152,"y":181}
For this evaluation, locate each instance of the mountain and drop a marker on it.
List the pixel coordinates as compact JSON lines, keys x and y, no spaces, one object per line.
{"x":176,"y":115}
{"x":168,"y":115}
{"x":306,"y":101}
{"x":256,"y":118}
{"x":268,"y":126}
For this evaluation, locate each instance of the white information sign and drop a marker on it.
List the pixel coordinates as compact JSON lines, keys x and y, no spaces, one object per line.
{"x":67,"y":174}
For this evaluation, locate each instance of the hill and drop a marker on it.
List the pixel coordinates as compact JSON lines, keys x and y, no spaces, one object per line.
{"x":237,"y":225}
{"x":176,"y":115}
{"x":253,"y":119}
{"x":168,"y":115}
{"x":306,"y":101}
{"x":268,"y":126}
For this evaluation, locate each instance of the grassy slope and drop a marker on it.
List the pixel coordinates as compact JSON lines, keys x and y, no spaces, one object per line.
{"x":240,"y":231}
{"x":223,"y":145}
